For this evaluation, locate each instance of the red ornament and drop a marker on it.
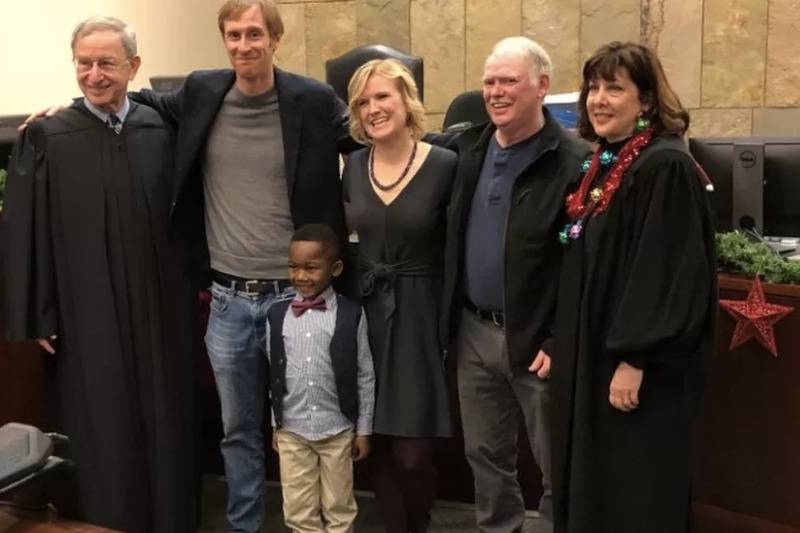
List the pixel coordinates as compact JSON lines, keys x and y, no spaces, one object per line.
{"x":577,"y":206}
{"x":755,"y":318}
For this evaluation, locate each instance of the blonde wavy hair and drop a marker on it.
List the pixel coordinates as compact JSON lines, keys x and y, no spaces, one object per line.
{"x":393,"y":70}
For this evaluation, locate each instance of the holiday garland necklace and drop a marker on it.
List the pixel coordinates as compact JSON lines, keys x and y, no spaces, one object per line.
{"x":591,"y":201}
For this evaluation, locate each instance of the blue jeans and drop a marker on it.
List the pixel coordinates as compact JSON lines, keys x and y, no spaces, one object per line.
{"x":235,"y":340}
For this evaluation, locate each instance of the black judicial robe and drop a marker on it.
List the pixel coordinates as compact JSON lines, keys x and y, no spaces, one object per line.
{"x":640,"y":287}
{"x":86,"y":258}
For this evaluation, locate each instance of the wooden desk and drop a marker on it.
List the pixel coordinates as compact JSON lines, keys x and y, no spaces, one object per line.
{"x":21,"y":383}
{"x":748,"y":457}
{"x":11,"y":524}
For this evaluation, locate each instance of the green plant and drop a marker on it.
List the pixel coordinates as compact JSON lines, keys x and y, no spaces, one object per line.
{"x":737,"y":253}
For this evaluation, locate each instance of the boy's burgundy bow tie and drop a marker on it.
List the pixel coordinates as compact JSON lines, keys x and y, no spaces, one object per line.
{"x":301,"y":306}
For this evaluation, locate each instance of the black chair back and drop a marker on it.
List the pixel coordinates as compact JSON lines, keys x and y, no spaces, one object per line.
{"x":339,"y":70}
{"x":466,"y":108}
{"x":165,"y":84}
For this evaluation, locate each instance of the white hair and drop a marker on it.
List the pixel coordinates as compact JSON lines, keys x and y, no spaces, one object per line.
{"x":532,"y":52}
{"x":93,"y":24}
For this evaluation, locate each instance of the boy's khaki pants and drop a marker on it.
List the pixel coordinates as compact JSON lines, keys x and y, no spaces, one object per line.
{"x":317,"y":483}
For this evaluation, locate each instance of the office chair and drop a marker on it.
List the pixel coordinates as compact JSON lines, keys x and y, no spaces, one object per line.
{"x":165,"y":84}
{"x":467,"y":109}
{"x":339,"y":70}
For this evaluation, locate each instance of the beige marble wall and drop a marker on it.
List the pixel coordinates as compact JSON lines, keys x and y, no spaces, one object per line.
{"x":734,"y":53}
{"x":330,"y":32}
{"x":603,"y":21}
{"x":385,"y":22}
{"x":437,"y":34}
{"x":556,"y":26}
{"x":720,"y":122}
{"x":734,"y":63}
{"x":783,"y":54}
{"x":674,"y":29}
{"x":485,"y":25}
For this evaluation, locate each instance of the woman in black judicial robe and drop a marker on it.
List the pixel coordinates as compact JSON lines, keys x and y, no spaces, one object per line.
{"x":86,"y":258}
{"x":636,"y":307}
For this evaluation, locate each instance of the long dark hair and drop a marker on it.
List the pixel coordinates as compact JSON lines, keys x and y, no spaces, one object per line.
{"x":665,"y":112}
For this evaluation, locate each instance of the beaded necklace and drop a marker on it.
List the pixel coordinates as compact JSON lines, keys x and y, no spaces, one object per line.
{"x":395,"y":183}
{"x":579,"y":207}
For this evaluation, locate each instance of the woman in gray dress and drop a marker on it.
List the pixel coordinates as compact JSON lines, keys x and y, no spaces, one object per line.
{"x":396,"y":192}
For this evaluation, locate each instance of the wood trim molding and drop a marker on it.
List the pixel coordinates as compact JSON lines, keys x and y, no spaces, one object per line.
{"x":736,"y":282}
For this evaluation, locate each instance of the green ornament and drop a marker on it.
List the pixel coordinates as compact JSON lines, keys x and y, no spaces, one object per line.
{"x":563,"y":235}
{"x":642,"y":124}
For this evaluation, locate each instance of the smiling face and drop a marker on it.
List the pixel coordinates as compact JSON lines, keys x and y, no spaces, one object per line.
{"x":381,"y":109}
{"x":103,"y":69}
{"x":249,"y":45}
{"x":613,"y":106}
{"x":311,"y":267}
{"x":513,"y":100}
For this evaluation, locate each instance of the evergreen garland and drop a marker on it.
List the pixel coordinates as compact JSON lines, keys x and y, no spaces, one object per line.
{"x":737,"y":253}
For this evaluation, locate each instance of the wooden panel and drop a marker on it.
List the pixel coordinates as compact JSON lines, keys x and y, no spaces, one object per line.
{"x":747,"y":459}
{"x":21,"y":383}
{"x":11,"y":524}
{"x":742,"y":283}
{"x":710,"y":519}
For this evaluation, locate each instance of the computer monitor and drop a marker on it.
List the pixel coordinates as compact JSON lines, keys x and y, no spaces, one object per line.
{"x":737,"y":165}
{"x":716,"y":156}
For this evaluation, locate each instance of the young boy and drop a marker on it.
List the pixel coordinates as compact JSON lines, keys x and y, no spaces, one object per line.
{"x":322,"y":388}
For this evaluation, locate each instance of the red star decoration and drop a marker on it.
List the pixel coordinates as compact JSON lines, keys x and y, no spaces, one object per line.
{"x":755,"y":318}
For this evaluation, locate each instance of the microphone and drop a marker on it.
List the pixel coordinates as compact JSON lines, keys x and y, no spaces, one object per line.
{"x":748,"y":224}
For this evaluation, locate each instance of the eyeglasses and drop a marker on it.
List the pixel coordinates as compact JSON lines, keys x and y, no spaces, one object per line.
{"x":103,"y":65}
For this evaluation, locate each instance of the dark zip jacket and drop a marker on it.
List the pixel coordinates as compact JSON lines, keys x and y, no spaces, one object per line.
{"x":532,"y":249}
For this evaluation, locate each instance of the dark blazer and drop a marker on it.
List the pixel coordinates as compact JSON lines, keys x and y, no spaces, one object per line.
{"x":314,"y":124}
{"x":532,"y":249}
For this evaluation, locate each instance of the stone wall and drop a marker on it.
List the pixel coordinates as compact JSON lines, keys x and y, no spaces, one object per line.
{"x":734,"y":63}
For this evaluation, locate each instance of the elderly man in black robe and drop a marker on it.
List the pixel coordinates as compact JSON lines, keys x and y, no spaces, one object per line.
{"x":88,"y":272}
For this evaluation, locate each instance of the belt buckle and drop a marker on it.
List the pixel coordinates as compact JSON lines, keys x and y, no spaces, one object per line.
{"x":248,"y":284}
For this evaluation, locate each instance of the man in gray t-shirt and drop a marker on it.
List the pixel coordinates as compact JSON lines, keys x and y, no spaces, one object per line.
{"x":257,"y":156}
{"x":248,"y":220}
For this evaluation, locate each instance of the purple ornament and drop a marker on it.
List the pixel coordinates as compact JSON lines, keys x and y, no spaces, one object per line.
{"x":575,"y":231}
